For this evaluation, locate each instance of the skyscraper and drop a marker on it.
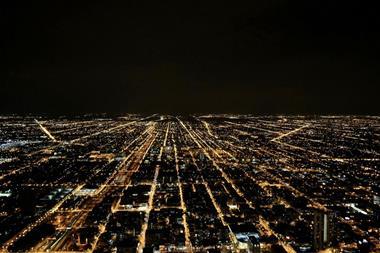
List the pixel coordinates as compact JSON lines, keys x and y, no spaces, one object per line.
{"x":323,"y":229}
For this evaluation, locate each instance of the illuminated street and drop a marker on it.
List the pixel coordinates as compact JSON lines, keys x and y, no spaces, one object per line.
{"x":205,"y":183}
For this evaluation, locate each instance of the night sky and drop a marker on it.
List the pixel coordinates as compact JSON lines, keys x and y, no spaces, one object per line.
{"x":257,"y":56}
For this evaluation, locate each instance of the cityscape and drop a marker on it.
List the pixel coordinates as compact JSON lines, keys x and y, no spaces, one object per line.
{"x":197,"y":183}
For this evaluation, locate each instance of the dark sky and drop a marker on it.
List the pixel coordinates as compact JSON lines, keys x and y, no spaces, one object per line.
{"x":257,"y":56}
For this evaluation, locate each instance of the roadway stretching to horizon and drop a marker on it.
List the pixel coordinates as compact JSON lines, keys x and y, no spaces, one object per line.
{"x":226,"y":160}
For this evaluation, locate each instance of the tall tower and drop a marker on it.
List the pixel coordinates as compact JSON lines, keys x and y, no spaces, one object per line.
{"x":323,"y":229}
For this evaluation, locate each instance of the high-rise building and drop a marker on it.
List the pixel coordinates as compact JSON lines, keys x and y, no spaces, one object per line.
{"x":323,"y":229}
{"x":376,"y":200}
{"x":248,"y":242}
{"x":376,"y":214}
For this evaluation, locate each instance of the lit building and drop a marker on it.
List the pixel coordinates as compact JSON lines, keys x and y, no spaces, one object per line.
{"x":323,"y":229}
{"x":248,"y":242}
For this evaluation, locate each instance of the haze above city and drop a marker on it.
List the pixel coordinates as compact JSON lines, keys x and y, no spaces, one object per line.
{"x":259,"y":57}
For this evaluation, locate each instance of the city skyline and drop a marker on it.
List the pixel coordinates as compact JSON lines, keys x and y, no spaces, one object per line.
{"x":140,"y":126}
{"x":206,"y":183}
